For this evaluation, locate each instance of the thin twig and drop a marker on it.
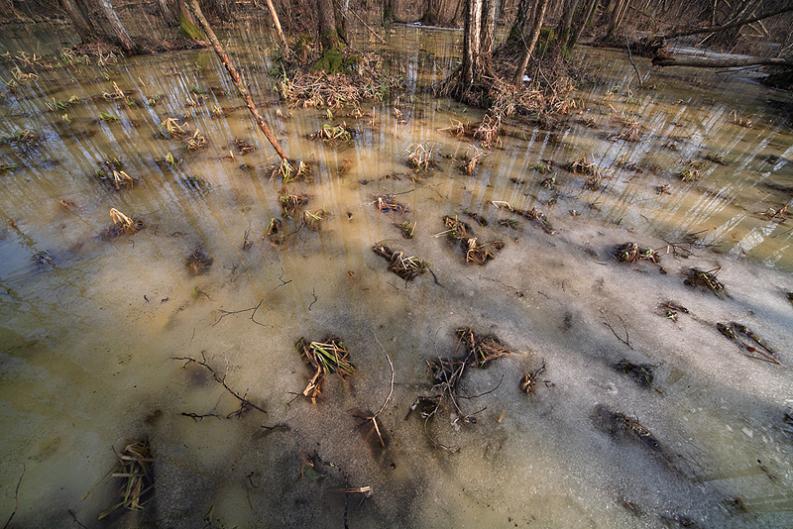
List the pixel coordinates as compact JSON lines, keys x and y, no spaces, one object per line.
{"x":224,"y":313}
{"x":627,"y":339}
{"x":16,"y":500}
{"x":244,"y":402}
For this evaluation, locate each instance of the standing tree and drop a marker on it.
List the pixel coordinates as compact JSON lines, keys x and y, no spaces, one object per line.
{"x":534,"y":35}
{"x":616,"y":16}
{"x":97,"y":20}
{"x":470,"y":81}
{"x":441,"y":12}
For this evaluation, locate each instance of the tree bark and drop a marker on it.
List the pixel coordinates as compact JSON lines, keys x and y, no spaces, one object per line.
{"x":580,"y":28}
{"x":237,"y":80}
{"x":79,"y":22}
{"x":340,"y":15}
{"x":169,"y":12}
{"x":329,"y":37}
{"x":617,"y":14}
{"x":519,"y":25}
{"x":104,"y":20}
{"x":472,"y":64}
{"x":565,"y":29}
{"x":539,"y":15}
{"x":488,"y":31}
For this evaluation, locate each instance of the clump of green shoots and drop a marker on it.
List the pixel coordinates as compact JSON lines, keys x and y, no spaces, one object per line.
{"x":690,"y":172}
{"x":313,"y":218}
{"x":694,"y":277}
{"x":541,"y":167}
{"x":334,"y":133}
{"x":107,"y":117}
{"x":630,"y":252}
{"x":325,"y":358}
{"x":406,"y":228}
{"x":288,"y":173}
{"x":290,"y":203}
{"x":60,"y":105}
{"x":23,"y":138}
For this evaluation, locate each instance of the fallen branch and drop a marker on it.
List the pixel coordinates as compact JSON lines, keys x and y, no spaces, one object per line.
{"x":224,"y":313}
{"x":237,"y":80}
{"x":245,"y":404}
{"x":702,"y":62}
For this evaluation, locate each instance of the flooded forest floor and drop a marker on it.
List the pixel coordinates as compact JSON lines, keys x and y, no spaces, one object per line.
{"x":585,"y":325}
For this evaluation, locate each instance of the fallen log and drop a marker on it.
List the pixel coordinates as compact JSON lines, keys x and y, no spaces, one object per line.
{"x":732,"y":62}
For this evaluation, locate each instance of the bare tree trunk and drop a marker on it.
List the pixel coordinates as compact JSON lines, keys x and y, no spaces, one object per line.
{"x":169,"y":11}
{"x":340,"y":15}
{"x":539,"y":14}
{"x":278,"y":29}
{"x":440,"y":12}
{"x":565,"y":28}
{"x":581,"y":27}
{"x":617,"y":13}
{"x":488,"y":31}
{"x":472,"y":65}
{"x":237,"y":80}
{"x":78,"y":20}
{"x":328,"y":33}
{"x":105,"y":22}
{"x":518,"y":29}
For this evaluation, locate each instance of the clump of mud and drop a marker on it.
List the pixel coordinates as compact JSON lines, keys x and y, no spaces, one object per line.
{"x":198,"y":262}
{"x":408,"y":267}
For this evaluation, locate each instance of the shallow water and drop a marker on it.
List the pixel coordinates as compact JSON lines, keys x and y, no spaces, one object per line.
{"x":91,"y":327}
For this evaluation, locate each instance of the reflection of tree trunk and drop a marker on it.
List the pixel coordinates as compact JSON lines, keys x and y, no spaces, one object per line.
{"x":388,"y":11}
{"x":539,"y":15}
